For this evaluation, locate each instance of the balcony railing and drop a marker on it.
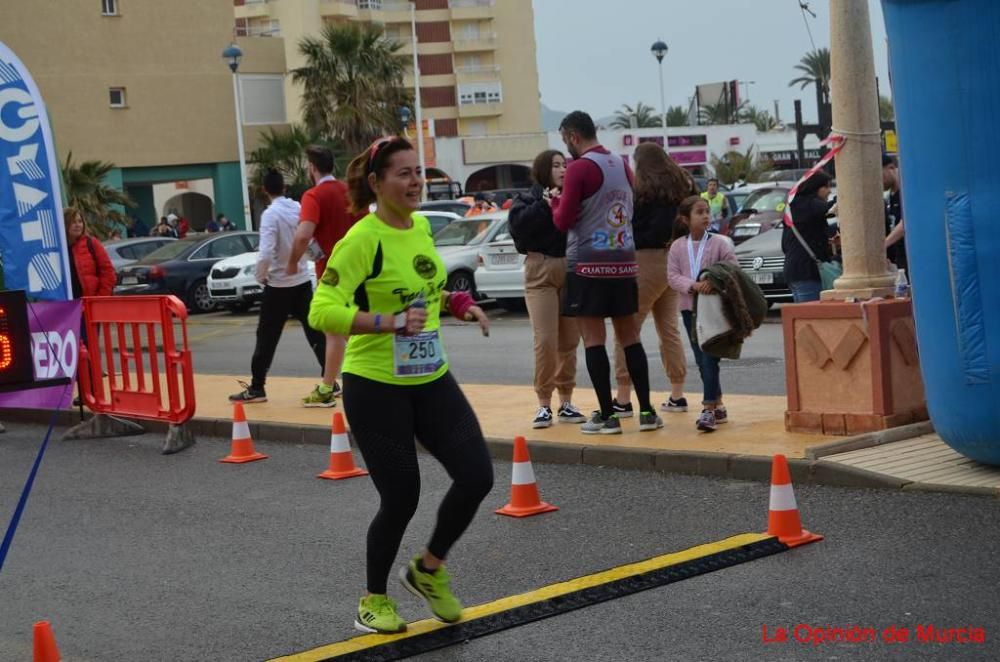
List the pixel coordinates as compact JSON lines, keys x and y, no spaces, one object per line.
{"x":462,"y":38}
{"x":383,"y":5}
{"x":478,"y":69}
{"x":259,"y":30}
{"x":471,"y":3}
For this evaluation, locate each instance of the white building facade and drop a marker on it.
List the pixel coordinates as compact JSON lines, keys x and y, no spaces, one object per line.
{"x":490,"y":163}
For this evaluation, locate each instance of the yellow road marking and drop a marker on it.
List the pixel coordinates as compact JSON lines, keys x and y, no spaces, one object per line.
{"x":291,"y":323}
{"x":538,"y":595}
{"x":192,"y":339}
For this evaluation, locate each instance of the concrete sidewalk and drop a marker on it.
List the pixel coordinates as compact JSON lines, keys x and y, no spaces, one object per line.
{"x":756,"y":422}
{"x":742,"y":448}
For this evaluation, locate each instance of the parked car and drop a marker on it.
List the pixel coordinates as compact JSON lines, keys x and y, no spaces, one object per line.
{"x":762,"y":259}
{"x":182,"y":267}
{"x":500,"y":274}
{"x":790,"y":175}
{"x":124,"y":252}
{"x":459,"y":207}
{"x":439,"y":219}
{"x":735,"y":200}
{"x":762,"y":211}
{"x":233,"y":282}
{"x":458,"y":244}
{"x":502,"y":195}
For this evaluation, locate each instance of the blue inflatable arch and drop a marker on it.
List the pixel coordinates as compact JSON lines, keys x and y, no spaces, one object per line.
{"x":945,"y":64}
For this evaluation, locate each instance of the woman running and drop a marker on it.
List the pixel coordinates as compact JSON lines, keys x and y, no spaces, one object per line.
{"x":384,"y":286}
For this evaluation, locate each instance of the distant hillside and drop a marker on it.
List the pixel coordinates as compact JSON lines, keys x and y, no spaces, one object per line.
{"x":551,"y":119}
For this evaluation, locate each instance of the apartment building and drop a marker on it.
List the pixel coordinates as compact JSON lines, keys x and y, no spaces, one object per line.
{"x":143,"y":85}
{"x":478,"y":74}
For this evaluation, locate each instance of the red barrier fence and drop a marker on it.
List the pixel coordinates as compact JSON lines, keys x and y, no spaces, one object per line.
{"x":152,"y":378}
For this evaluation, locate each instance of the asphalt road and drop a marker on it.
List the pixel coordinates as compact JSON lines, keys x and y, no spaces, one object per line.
{"x":137,"y":556}
{"x":223,"y":343}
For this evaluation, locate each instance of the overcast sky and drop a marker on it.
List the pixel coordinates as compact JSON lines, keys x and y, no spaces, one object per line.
{"x":594,"y":55}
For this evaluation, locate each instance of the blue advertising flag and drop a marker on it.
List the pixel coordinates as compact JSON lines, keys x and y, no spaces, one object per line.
{"x":32,"y":235}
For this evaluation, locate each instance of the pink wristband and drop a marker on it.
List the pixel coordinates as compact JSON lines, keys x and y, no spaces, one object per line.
{"x":459,"y":304}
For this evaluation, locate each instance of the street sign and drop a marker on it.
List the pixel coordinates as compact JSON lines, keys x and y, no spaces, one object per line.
{"x":891,"y":142}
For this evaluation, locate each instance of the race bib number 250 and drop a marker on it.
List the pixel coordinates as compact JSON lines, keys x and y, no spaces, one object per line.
{"x":419,"y":355}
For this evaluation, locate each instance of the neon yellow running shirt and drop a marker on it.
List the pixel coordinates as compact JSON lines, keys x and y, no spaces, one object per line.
{"x":377,"y":268}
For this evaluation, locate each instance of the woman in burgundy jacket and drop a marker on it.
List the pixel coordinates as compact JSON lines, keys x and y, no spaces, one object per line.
{"x":90,"y":267}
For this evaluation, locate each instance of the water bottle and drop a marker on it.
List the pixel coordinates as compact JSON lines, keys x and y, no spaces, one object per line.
{"x":902,"y":285}
{"x":419,"y":302}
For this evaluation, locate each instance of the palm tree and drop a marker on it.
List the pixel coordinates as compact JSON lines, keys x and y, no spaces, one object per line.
{"x":720,"y":113}
{"x":815,"y":68}
{"x":86,"y":190}
{"x":736,"y":166}
{"x":285,"y":151}
{"x":886,"y":112}
{"x":353,"y":84}
{"x":761,"y":118}
{"x":644,"y":117}
{"x":677,"y":116}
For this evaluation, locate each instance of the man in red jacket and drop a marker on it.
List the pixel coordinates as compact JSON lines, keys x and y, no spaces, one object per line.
{"x":323,"y":221}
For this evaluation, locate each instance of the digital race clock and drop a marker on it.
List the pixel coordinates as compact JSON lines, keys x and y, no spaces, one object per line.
{"x":15,"y":339}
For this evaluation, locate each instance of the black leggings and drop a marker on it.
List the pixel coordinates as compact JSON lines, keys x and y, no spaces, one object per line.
{"x":384,"y":420}
{"x":278,"y":303}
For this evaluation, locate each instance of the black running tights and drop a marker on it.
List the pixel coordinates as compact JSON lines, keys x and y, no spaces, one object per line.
{"x":384,"y":419}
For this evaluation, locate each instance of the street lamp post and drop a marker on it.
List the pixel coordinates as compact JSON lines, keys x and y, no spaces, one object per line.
{"x":659,"y":49}
{"x":416,"y":93}
{"x":232,"y":55}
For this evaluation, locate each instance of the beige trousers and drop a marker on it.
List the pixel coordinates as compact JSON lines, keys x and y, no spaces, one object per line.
{"x":556,"y":336}
{"x":655,"y":296}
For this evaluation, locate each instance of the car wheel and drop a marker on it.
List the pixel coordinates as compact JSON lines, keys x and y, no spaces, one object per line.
{"x":198,"y":299}
{"x":462,"y":281}
{"x":513,"y":305}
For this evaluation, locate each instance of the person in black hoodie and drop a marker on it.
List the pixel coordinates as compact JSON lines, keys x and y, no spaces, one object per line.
{"x":660,"y":186}
{"x":556,"y":336}
{"x":809,"y":210}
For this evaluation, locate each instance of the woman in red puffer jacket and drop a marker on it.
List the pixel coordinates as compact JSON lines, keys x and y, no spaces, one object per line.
{"x":90,"y":267}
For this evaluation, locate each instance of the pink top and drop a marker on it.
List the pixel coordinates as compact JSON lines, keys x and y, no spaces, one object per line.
{"x":718,"y":249}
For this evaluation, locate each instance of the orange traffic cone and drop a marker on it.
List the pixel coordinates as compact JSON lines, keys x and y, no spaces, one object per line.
{"x":783,"y":518}
{"x":524,"y":499}
{"x":45,"y":643}
{"x":242,"y":449}
{"x":341,"y":460}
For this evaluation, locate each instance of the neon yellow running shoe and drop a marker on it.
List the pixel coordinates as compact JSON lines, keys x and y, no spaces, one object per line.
{"x":377,"y":613}
{"x":434,"y":588}
{"x":320,"y":398}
